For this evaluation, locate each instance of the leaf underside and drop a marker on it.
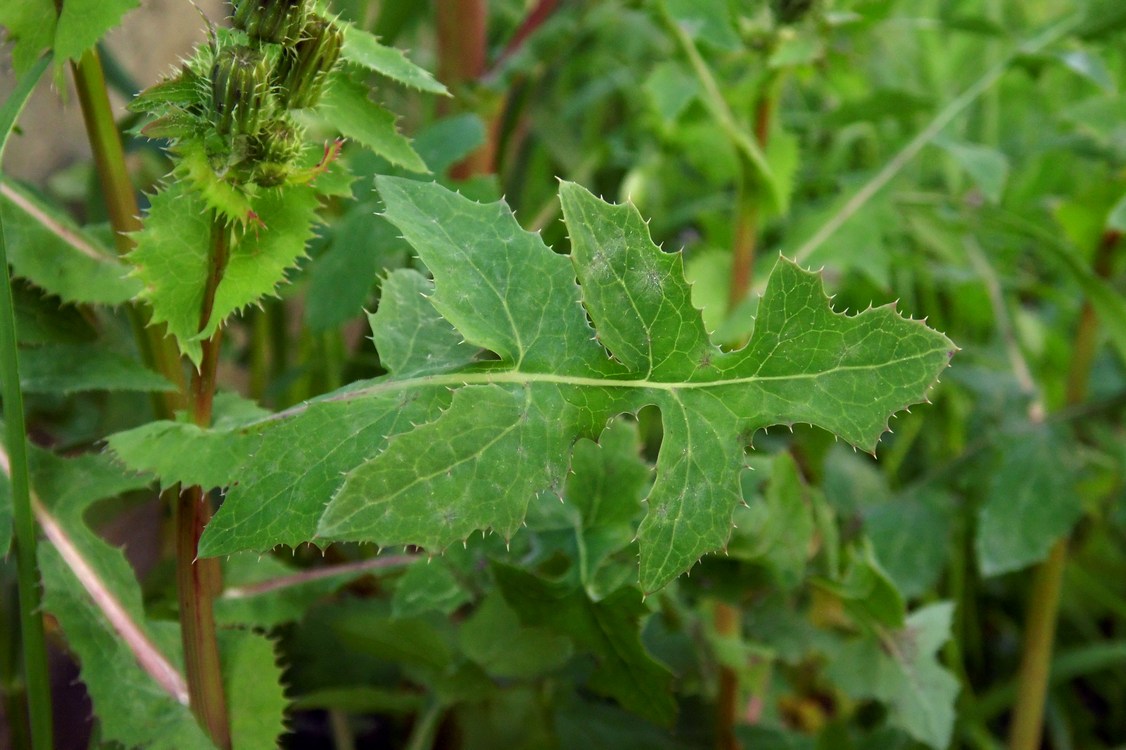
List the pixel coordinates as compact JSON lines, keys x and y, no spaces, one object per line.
{"x":450,"y":442}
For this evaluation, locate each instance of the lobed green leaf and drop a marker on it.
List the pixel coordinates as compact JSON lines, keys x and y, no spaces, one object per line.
{"x":443,"y":447}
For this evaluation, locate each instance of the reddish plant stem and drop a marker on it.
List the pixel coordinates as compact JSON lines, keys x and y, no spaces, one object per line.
{"x":1087,"y":333}
{"x":747,"y":208}
{"x":728,"y":623}
{"x":728,"y":619}
{"x":200,"y":580}
{"x":462,"y":60}
{"x":461,"y":26}
{"x":535,"y":18}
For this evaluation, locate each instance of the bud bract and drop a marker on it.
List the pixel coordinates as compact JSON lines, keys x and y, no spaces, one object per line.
{"x":240,"y":90}
{"x":275,"y":152}
{"x":302,"y":70}
{"x":277,"y":21}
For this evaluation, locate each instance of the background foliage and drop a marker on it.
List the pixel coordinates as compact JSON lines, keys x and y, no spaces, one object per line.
{"x":963,"y":160}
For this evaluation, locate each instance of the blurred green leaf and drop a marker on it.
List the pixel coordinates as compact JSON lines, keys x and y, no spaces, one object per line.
{"x":1090,"y":66}
{"x":71,"y":368}
{"x":670,"y":89}
{"x":427,"y":586}
{"x":706,"y":21}
{"x":867,"y":592}
{"x":900,"y":669}
{"x":777,"y":530}
{"x":910,"y":536}
{"x":30,"y":28}
{"x":83,"y":22}
{"x":48,"y":249}
{"x":988,"y":167}
{"x":341,"y":279}
{"x":608,"y":630}
{"x":1031,"y":502}
{"x":494,"y":638}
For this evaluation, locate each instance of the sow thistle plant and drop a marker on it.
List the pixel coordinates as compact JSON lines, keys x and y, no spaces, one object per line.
{"x":504,"y":362}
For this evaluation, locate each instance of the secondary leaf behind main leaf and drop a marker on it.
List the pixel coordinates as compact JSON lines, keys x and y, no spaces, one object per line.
{"x":419,"y":466}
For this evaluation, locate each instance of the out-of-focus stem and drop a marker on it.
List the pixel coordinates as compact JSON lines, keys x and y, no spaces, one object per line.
{"x":24,"y":534}
{"x":1043,"y":604}
{"x":462,"y":59}
{"x":747,"y":206}
{"x":461,"y":26}
{"x":728,"y":622}
{"x":156,"y":348}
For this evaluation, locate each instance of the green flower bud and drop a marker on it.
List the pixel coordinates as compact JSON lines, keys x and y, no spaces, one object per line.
{"x":275,"y":152}
{"x":240,"y":90}
{"x":303,"y":67}
{"x":791,"y":11}
{"x":277,"y":21}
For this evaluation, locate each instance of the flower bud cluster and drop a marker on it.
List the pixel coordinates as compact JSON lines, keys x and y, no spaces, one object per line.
{"x":305,"y":65}
{"x":240,"y":90}
{"x":234,"y":98}
{"x":275,"y":21}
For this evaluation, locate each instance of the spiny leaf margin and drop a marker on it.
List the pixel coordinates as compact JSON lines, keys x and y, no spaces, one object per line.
{"x":399,"y":460}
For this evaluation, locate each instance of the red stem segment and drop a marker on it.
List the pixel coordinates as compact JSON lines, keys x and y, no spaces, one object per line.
{"x":200,"y":580}
{"x":747,"y":208}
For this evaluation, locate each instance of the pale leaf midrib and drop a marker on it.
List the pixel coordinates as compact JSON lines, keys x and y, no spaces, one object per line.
{"x":516,"y":377}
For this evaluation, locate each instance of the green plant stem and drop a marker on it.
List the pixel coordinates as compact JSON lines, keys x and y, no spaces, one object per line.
{"x":1039,"y":635}
{"x":1043,"y":605}
{"x":728,"y":619}
{"x":11,"y":673}
{"x":259,"y":355}
{"x":157,"y":350}
{"x":199,"y":580}
{"x":425,"y":727}
{"x":23,"y":523}
{"x":717,"y":105}
{"x":1085,"y":660}
{"x":36,"y":677}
